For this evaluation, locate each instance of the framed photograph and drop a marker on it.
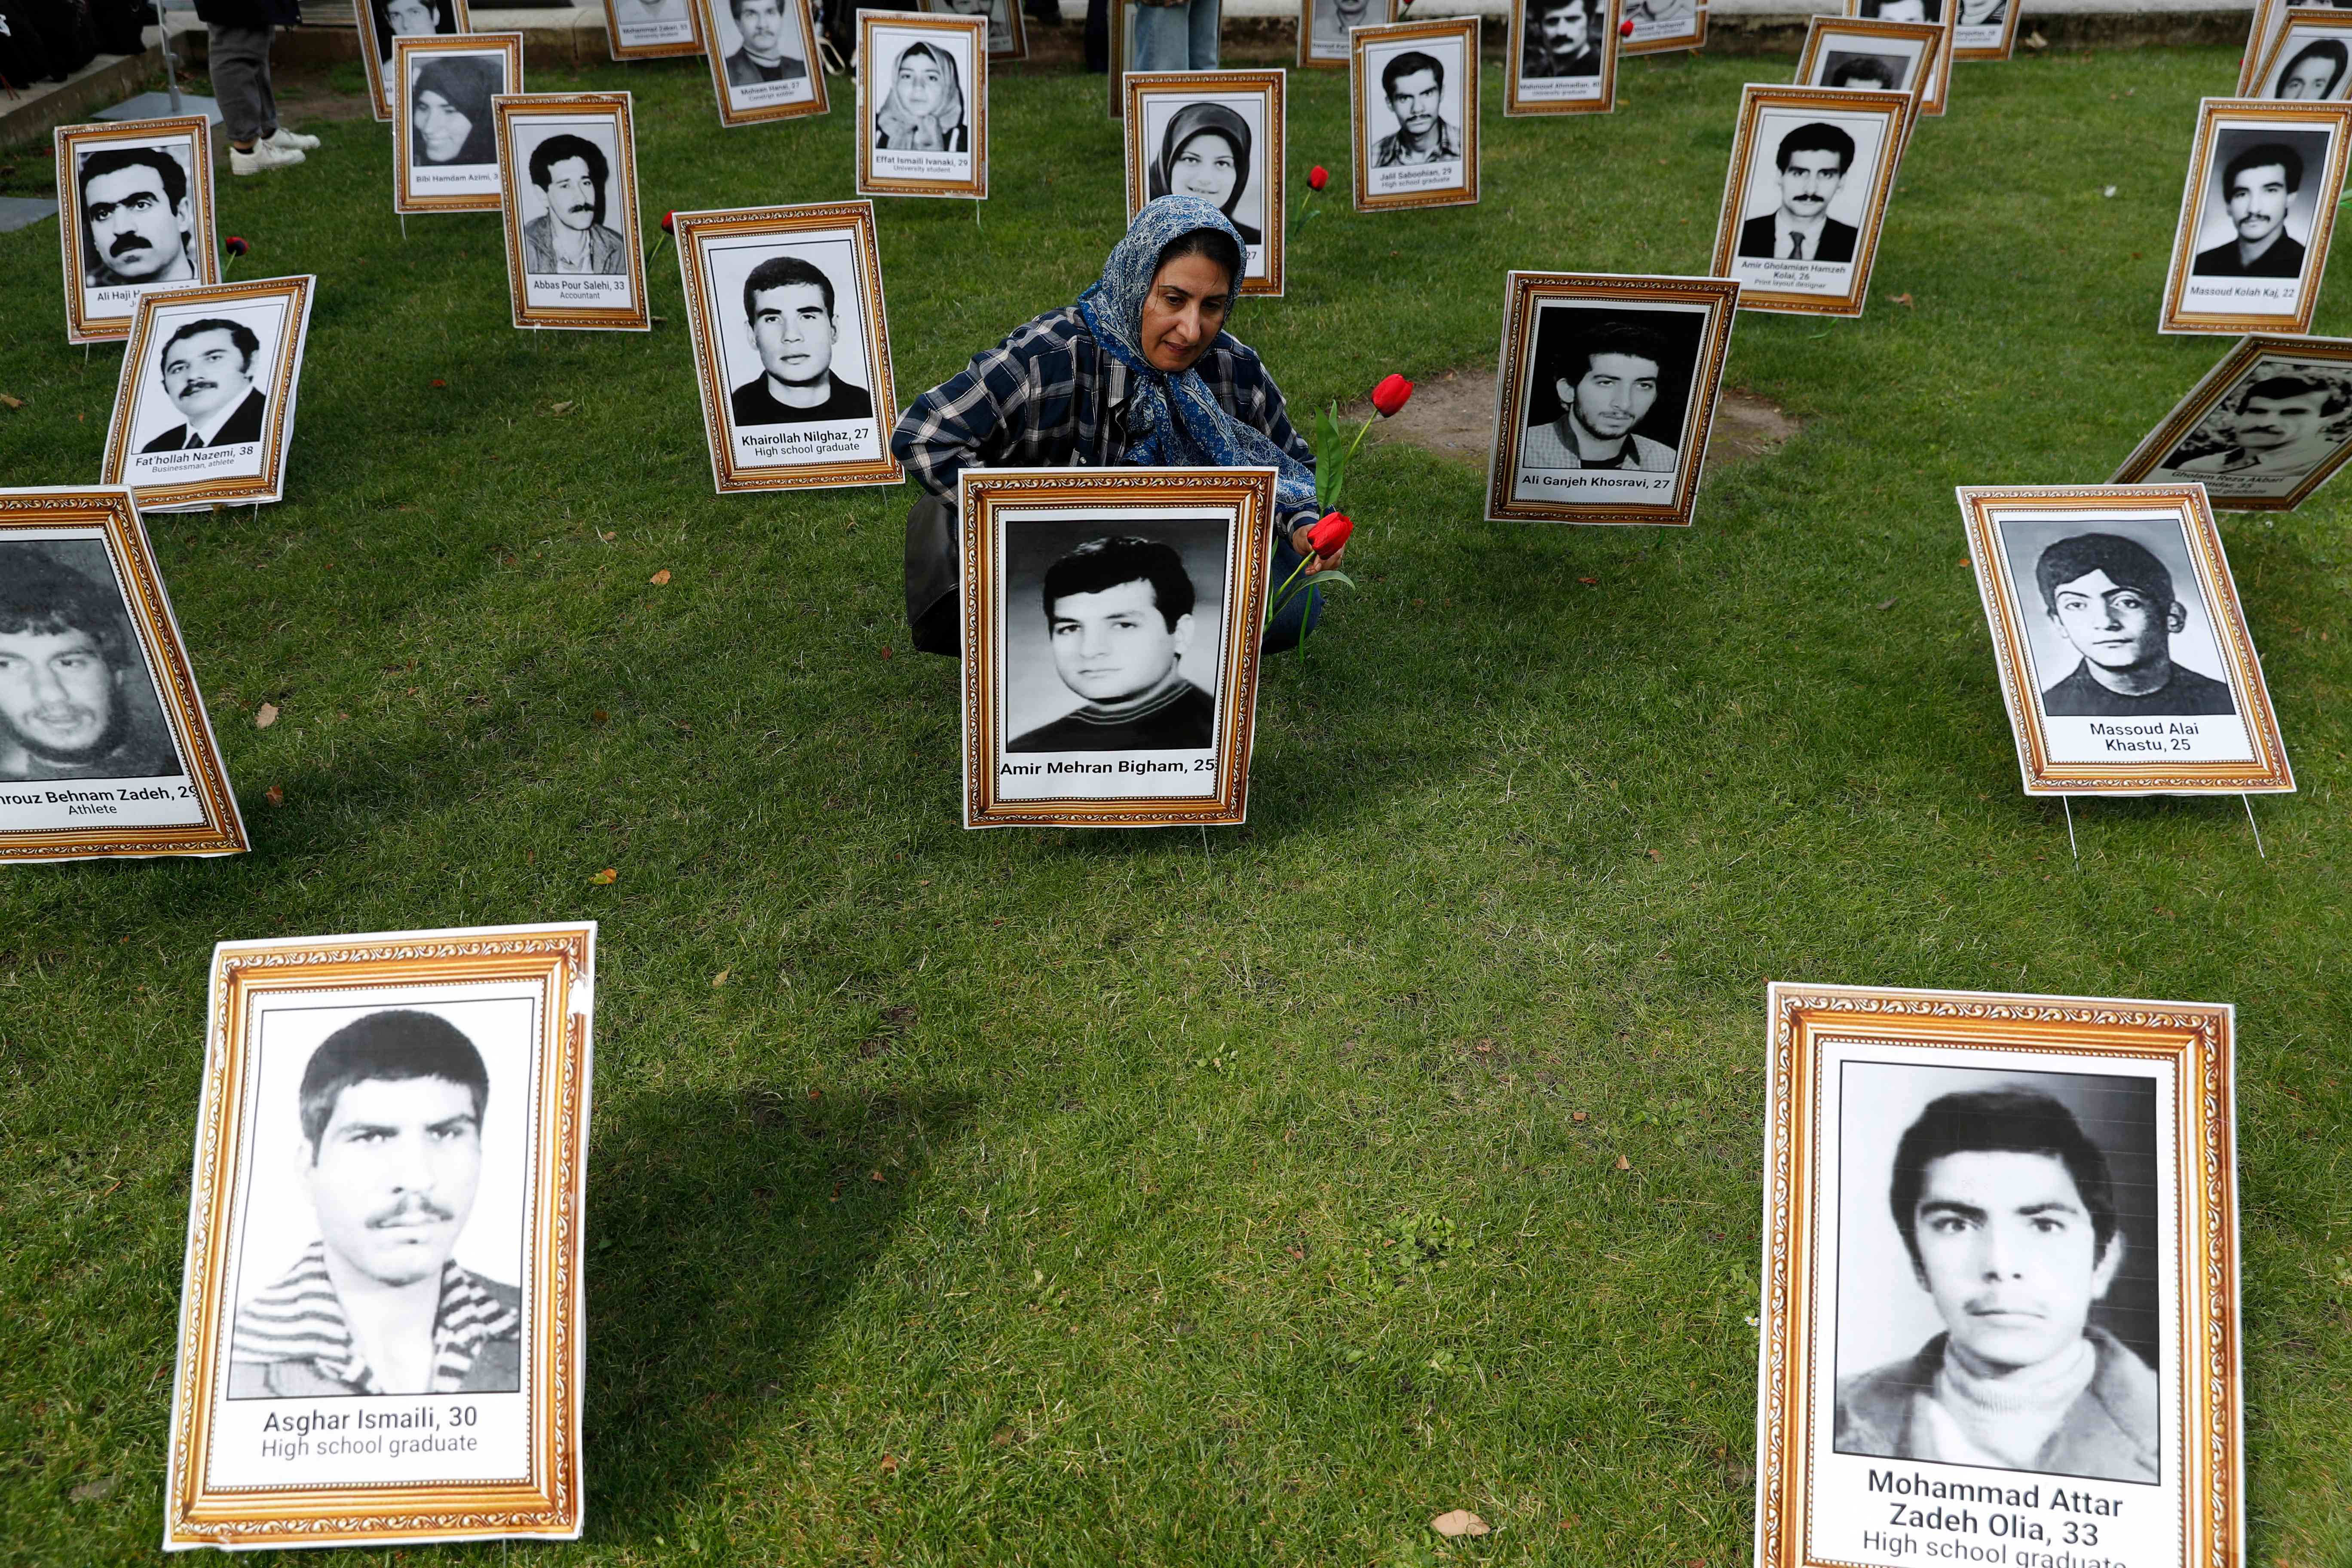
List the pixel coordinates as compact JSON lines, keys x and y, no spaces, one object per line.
{"x":571,"y":211}
{"x":2124,"y":657}
{"x":1805,"y":193}
{"x":2265,"y":428}
{"x":1562,"y":58}
{"x":203,"y":408}
{"x":134,"y":213}
{"x":650,"y":29}
{"x":106,"y":749}
{"x":922,"y":106}
{"x":382,"y":21}
{"x":2000,"y":1282}
{"x":381,"y":1332}
{"x":2310,"y":61}
{"x":1324,"y":26}
{"x":2270,"y":16}
{"x":1912,"y":57}
{"x":791,"y":345}
{"x":1660,"y":25}
{"x":1605,"y":395}
{"x":2255,"y":216}
{"x":1221,"y":136}
{"x":1008,"y":31}
{"x":1415,"y":115}
{"x":764,"y":60}
{"x":444,"y":145}
{"x":1111,"y":619}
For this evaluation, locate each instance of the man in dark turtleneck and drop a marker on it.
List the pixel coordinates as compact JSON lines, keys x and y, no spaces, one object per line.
{"x":1119,"y":612}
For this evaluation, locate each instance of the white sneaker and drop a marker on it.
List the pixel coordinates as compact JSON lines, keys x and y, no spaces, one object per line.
{"x":264,"y":155}
{"x":292,"y":140}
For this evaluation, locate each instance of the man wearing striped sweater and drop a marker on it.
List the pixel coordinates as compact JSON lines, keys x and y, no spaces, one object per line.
{"x":392,"y":1110}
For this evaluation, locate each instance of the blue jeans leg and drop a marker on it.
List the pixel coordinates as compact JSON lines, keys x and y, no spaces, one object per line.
{"x":1175,"y":37}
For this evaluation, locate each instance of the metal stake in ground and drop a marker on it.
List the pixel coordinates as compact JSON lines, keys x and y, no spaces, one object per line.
{"x":2248,"y":802}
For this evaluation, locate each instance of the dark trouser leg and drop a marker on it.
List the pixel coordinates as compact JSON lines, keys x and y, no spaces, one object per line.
{"x":934,"y":608}
{"x":240,"y":72}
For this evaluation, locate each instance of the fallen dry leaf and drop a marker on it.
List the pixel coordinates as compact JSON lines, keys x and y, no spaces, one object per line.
{"x":1590,"y":582}
{"x":265,"y":717}
{"x":874,"y":1176}
{"x":1576,"y":1115}
{"x":720,"y":978}
{"x":660,"y":577}
{"x":816,"y":1094}
{"x":1885,"y":604}
{"x":560,"y":408}
{"x":1623,"y":1163}
{"x":1903,"y":301}
{"x":607,"y":538}
{"x":599,"y":716}
{"x":275,"y":794}
{"x":12,"y":401}
{"x":890,"y":1461}
{"x":605,"y":877}
{"x":1653,"y":854}
{"x":1460,"y":1522}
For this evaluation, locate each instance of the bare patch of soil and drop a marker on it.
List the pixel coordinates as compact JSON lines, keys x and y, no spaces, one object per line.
{"x":1454,"y":415}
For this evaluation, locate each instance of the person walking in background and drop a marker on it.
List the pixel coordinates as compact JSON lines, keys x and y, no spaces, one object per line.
{"x":1176,"y":35}
{"x":238,"y":33}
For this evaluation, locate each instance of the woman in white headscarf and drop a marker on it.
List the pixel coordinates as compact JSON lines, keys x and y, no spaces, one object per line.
{"x":924,"y":111}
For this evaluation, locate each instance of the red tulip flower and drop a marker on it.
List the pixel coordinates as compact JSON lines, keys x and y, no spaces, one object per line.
{"x":667,"y":228}
{"x":235,"y":245}
{"x":1329,"y":536}
{"x":1317,"y":177}
{"x":1391,"y":394}
{"x":1625,"y":28}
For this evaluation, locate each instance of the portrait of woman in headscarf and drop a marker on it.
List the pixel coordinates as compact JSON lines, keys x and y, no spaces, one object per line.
{"x":1141,"y":370}
{"x":408,"y":19}
{"x":1205,"y":152}
{"x":449,"y":110}
{"x":924,"y":110}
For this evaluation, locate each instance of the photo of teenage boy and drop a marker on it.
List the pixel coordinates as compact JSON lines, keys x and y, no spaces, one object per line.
{"x":2007,"y":1211}
{"x":789,"y":307}
{"x":2111,"y":601}
{"x":1119,"y":617}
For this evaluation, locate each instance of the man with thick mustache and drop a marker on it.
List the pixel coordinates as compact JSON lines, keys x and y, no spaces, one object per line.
{"x":1415,"y":85}
{"x":1813,"y":161}
{"x":2280,"y":428}
{"x":1563,"y":39}
{"x":2008,"y":1212}
{"x":207,"y":369}
{"x":763,"y":56}
{"x":2258,"y":186}
{"x":390,"y":1106}
{"x":66,"y":665}
{"x":140,"y":223}
{"x":570,"y":235}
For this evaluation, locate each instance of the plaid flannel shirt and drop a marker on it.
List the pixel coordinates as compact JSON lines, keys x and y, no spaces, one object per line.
{"x":1049,"y":397}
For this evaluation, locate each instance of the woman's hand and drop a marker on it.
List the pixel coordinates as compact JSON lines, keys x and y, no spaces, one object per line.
{"x":1314,"y":563}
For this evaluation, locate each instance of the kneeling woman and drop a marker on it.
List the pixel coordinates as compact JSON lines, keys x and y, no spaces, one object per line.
{"x":1139,"y":371}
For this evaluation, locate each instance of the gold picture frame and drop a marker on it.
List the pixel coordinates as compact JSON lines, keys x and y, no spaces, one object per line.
{"x":1931,"y":69}
{"x":1016,"y":27}
{"x":2200,"y":731}
{"x":679,"y":37}
{"x":37,"y":814}
{"x":188,"y":134}
{"x":1262,"y":90}
{"x":2306,"y":22}
{"x":1695,"y":312}
{"x":273,"y":1005}
{"x":965,"y":38}
{"x":405,"y":199}
{"x":1013,"y":521}
{"x":1980,"y":42}
{"x":1518,"y":98}
{"x":789,"y":105}
{"x":2138,"y":1099}
{"x":2269,"y":16}
{"x":1648,"y":38}
{"x":2225,"y":127}
{"x":2326,"y":366}
{"x":1368,"y":48}
{"x":380,"y":94}
{"x":525,"y":120}
{"x":710,"y":243}
{"x":1768,"y":283}
{"x":1327,"y":56}
{"x":173,"y":465}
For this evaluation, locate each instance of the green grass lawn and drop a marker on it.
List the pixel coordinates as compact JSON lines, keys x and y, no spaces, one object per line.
{"x":1029,"y":1196}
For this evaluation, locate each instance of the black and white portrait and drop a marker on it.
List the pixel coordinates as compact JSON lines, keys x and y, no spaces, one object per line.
{"x":1005,"y":40}
{"x":2279,"y":422}
{"x":196,"y":406}
{"x":570,"y":206}
{"x":568,"y":191}
{"x":2257,"y":213}
{"x":136,"y":205}
{"x":1980,"y":24}
{"x":1212,"y":146}
{"x":382,"y":1237}
{"x":77,"y":698}
{"x":1563,"y":39}
{"x":1659,"y":21}
{"x":1412,"y":102}
{"x":1880,"y":68}
{"x":922,"y":86}
{"x":1900,"y":10}
{"x":644,"y":29}
{"x":761,"y":51}
{"x":1330,"y":21}
{"x":452,"y":133}
{"x":1806,"y":209}
{"x":2314,"y":63}
{"x":1608,"y":388}
{"x":382,"y":21}
{"x":1998,"y":1264}
{"x":1113,"y":633}
{"x":2118,"y":623}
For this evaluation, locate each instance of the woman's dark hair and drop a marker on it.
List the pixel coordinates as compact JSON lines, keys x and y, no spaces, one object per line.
{"x":465,"y":83}
{"x":1215,"y":244}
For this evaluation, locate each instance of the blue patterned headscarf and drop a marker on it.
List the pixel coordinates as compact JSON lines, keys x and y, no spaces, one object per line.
{"x":1173,"y":419}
